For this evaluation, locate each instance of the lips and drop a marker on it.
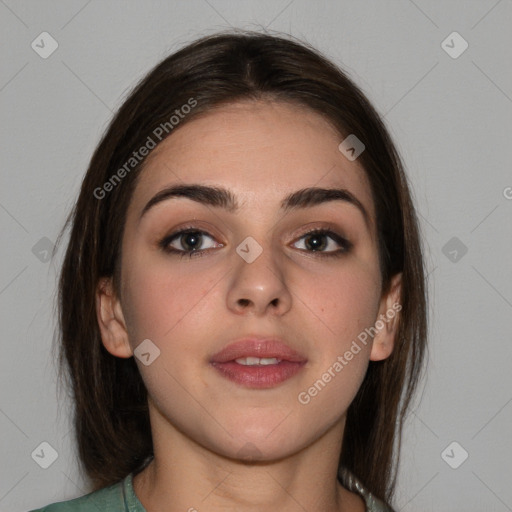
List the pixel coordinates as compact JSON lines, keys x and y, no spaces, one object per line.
{"x":258,"y":363}
{"x":262,"y":348}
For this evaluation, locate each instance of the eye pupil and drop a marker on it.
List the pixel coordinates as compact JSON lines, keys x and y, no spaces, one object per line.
{"x":191,"y":240}
{"x":313,"y":243}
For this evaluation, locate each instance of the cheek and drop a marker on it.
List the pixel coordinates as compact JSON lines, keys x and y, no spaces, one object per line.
{"x":345,"y":303}
{"x":341,"y":306}
{"x":159,"y":296}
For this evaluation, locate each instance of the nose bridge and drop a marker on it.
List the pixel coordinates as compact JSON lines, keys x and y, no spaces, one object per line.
{"x":258,"y":276}
{"x":257,"y":260}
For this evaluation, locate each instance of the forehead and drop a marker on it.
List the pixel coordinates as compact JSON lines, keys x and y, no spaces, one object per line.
{"x":261,"y":150}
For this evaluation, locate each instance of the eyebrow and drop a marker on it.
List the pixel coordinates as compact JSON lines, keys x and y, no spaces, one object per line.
{"x":219,"y":197}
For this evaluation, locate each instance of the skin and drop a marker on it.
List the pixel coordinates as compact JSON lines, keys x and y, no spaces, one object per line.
{"x":190,"y":308}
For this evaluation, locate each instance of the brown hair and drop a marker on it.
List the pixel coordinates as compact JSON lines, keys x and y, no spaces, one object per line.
{"x":110,"y":401}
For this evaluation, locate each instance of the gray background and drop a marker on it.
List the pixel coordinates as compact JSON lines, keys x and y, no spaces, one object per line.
{"x":451,"y":119}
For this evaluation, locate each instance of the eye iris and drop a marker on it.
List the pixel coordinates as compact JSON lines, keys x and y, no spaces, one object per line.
{"x":313,"y":242}
{"x":191,"y":240}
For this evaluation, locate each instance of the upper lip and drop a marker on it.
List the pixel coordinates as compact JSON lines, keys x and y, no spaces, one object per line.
{"x":257,"y":347}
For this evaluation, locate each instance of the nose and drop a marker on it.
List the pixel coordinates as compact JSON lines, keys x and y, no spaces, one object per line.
{"x":259,"y":287}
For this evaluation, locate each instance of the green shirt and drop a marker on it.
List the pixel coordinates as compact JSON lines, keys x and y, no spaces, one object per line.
{"x":121,"y":497}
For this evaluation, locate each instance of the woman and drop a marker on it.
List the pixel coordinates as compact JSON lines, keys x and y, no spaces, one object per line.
{"x":272,"y":367}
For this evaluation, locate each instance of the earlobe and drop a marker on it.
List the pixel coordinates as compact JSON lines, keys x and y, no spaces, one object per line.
{"x":111,"y":320}
{"x":387,"y":321}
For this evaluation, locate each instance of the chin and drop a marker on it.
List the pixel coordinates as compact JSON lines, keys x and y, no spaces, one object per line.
{"x":263,"y":444}
{"x":259,"y":451}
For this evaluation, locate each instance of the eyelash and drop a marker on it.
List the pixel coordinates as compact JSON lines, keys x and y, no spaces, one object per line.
{"x":346,"y":246}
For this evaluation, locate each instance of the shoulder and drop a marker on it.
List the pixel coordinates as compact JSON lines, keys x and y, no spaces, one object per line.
{"x":109,"y":498}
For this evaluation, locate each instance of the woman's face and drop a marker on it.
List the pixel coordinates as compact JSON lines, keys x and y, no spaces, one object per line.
{"x":255,"y":273}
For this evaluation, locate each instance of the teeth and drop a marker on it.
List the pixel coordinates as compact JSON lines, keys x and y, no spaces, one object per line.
{"x":252,"y":361}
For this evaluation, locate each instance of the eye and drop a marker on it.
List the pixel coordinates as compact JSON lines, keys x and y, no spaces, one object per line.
{"x":317,"y":240}
{"x":188,"y":241}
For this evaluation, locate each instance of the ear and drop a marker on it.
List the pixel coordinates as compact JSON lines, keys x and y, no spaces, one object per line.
{"x":387,"y":322}
{"x":111,"y":320}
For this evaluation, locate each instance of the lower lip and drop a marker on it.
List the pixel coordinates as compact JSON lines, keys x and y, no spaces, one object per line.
{"x":258,"y":376}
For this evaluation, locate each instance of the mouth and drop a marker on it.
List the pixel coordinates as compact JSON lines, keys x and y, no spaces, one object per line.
{"x":258,"y":363}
